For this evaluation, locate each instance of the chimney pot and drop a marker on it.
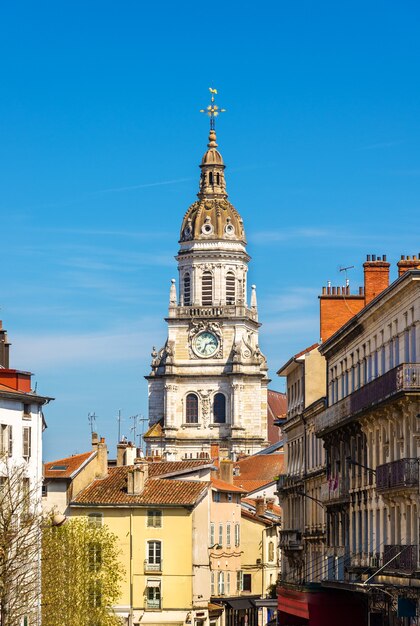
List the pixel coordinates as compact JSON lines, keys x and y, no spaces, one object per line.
{"x":259,"y":506}
{"x":403,"y":257}
{"x":374,"y":257}
{"x":334,"y":291}
{"x":324,"y":290}
{"x":408,"y":257}
{"x":368,"y":257}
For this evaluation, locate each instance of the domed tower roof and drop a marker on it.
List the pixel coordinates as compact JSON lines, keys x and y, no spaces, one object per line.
{"x":212,"y":216}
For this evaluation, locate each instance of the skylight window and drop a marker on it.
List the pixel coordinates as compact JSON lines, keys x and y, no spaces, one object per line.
{"x":59,"y":467}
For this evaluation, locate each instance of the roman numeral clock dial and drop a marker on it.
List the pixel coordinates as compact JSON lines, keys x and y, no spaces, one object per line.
{"x":205,"y":344}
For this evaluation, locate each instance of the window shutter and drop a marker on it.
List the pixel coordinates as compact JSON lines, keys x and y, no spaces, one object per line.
{"x":10,"y":442}
{"x":211,"y":535}
{"x":228,"y":535}
{"x":27,"y":442}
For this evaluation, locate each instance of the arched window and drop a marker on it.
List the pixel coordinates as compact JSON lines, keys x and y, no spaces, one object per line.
{"x":218,"y":178}
{"x":211,"y":178}
{"x":187,"y":290}
{"x":207,"y":289}
{"x":230,"y":288}
{"x":219,"y":408}
{"x":191,"y":412}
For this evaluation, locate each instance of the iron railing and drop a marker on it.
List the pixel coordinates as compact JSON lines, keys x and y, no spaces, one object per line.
{"x":405,"y":377}
{"x":401,"y":558}
{"x":227,"y":310}
{"x":397,"y":474}
{"x":152,"y":567}
{"x":334,"y":489}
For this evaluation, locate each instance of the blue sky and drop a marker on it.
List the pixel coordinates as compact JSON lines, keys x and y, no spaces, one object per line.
{"x":100,"y":141}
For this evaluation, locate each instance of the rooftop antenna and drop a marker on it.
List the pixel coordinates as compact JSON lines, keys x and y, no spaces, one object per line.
{"x":133,"y":429}
{"x":92,"y":421}
{"x":119,"y":425}
{"x":142,"y":419}
{"x":344,"y":269}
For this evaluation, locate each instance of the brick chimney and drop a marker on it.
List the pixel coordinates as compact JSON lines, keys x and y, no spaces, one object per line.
{"x":260,"y":506}
{"x":407,"y":263}
{"x":376,"y":271}
{"x":4,"y":348}
{"x":102,"y":459}
{"x":270,"y":504}
{"x":121,"y":447}
{"x":137,"y":477}
{"x":226,"y":471}
{"x":130,"y":453}
{"x":215,"y":453}
{"x":336,"y":306}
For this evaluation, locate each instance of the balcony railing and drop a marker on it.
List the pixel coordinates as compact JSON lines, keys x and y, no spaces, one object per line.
{"x":227,"y":310}
{"x":152,"y":567}
{"x":153,"y":604}
{"x":399,"y":557}
{"x":286,"y":481}
{"x":291,"y":540}
{"x":334,"y":489}
{"x":397,"y":474}
{"x":405,"y":377}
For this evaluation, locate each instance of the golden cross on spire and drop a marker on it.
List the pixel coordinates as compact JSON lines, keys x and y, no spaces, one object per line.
{"x":212,"y":110}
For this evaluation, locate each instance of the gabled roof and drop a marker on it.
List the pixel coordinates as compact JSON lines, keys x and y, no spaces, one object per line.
{"x":69,"y":466}
{"x":222,"y":485}
{"x":154,"y":431}
{"x":112,"y":491}
{"x":277,"y":404}
{"x":258,"y":470}
{"x":174,"y":468}
{"x":284,"y":370}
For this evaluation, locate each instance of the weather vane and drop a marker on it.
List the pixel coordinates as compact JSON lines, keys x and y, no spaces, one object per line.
{"x":212,"y":110}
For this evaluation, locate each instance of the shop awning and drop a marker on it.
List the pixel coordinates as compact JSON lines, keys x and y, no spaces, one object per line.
{"x":239,"y":603}
{"x":294,"y":603}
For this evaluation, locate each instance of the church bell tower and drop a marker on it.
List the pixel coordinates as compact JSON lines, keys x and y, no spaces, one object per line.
{"x":208,"y":384}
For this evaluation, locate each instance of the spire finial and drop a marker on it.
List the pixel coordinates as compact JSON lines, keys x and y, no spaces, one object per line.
{"x":212,"y":110}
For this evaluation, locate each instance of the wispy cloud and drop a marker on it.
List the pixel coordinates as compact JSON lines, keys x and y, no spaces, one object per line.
{"x":297,"y":298}
{"x":160,"y":183}
{"x":48,"y":350}
{"x":382,"y":144}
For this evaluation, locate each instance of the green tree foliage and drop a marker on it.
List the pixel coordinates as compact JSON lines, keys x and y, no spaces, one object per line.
{"x":81,"y":574}
{"x":20,"y":539}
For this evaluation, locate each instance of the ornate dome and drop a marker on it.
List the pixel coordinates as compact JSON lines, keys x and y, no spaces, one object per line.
{"x":212,"y":217}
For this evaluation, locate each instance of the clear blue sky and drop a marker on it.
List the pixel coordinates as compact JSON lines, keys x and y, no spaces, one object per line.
{"x":100,"y":139}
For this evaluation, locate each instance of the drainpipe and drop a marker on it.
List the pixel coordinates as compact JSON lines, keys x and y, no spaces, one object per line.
{"x":130,"y":619}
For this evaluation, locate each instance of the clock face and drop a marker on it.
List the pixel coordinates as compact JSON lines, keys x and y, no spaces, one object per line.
{"x":205,"y":344}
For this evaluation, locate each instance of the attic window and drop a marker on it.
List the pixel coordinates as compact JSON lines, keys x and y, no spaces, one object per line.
{"x":59,"y":468}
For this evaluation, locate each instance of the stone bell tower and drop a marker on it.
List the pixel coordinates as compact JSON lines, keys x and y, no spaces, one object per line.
{"x":208,"y":384}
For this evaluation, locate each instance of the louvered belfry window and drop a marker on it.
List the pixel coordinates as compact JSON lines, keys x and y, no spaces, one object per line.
{"x":219,"y":408}
{"x":230,"y":288}
{"x":207,"y":289}
{"x":191,"y":413}
{"x":187,"y":290}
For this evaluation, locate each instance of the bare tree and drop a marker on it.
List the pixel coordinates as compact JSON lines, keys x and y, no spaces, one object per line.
{"x":20,"y":542}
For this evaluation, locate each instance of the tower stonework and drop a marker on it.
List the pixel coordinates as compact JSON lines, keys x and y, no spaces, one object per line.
{"x":208,"y":384}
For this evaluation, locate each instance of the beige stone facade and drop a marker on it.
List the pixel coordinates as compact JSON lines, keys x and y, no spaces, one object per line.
{"x":208,"y":384}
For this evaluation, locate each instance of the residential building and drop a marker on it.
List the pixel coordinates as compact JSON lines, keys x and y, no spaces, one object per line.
{"x":21,"y":426}
{"x":371,"y":433}
{"x":208,"y":383}
{"x":302,"y":537}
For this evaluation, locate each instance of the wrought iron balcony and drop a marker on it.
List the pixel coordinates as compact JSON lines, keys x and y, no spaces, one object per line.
{"x":152,"y":567}
{"x":400,"y":558}
{"x":403,"y":378}
{"x":335,"y":490}
{"x":400,"y":474}
{"x":291,"y":540}
{"x":287,"y":481}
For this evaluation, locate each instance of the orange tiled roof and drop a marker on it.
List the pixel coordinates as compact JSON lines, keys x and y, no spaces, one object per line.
{"x":258,"y":470}
{"x":221,"y":485}
{"x":112,"y":490}
{"x":276,"y":509}
{"x":162,"y":468}
{"x":302,"y":352}
{"x":277,"y":404}
{"x":69,"y":465}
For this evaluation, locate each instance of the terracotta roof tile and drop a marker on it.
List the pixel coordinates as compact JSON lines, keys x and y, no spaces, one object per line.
{"x":221,"y":485}
{"x":302,"y":352}
{"x":276,"y":509}
{"x":112,"y":490}
{"x":162,"y":468}
{"x":67,"y":466}
{"x":258,"y":470}
{"x":277,"y":404}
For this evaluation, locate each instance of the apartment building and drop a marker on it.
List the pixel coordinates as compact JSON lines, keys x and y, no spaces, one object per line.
{"x":371,"y":432}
